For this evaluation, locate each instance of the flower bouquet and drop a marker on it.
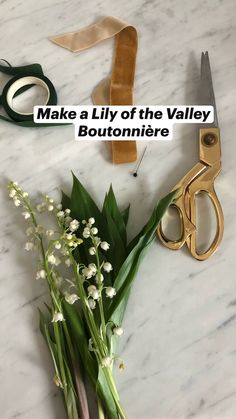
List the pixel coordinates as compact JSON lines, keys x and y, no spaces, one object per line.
{"x":89,"y":267}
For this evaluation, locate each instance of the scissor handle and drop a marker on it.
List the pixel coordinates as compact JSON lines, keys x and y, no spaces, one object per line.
{"x":182,"y":205}
{"x":199,"y":179}
{"x":208,"y":188}
{"x":187,"y":227}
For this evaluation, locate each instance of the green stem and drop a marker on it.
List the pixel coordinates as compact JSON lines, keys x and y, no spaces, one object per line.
{"x":113,"y":389}
{"x":60,"y":356}
{"x":102,"y":349}
{"x":100,"y":302}
{"x":87,"y":313}
{"x":27,"y":205}
{"x":69,"y":395}
{"x":84,"y":410}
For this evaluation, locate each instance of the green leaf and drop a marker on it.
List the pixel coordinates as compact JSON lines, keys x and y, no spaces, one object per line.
{"x":72,"y":371}
{"x":44,"y":328}
{"x":158,"y":212}
{"x":42,"y":323}
{"x":105,"y":395}
{"x":110,"y":205}
{"x":75,"y":367}
{"x":118,"y":315}
{"x":125,"y":215}
{"x":71,"y":404}
{"x":65,"y":200}
{"x":129,"y":268}
{"x":80,"y":340}
{"x":117,"y":251}
{"x":83,"y":206}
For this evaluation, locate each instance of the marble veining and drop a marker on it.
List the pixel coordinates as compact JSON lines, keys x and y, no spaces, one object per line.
{"x":180,"y":330}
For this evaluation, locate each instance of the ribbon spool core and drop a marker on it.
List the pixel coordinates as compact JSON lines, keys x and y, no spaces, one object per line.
{"x":22,"y":82}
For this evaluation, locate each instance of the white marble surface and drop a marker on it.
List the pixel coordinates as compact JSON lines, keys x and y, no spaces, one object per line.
{"x":180,"y":340}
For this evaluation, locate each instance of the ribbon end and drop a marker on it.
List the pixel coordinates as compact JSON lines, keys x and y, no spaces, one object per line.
{"x":60,"y":40}
{"x":123,"y":151}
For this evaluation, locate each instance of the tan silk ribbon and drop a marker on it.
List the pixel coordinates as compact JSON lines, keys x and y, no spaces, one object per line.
{"x":118,"y":88}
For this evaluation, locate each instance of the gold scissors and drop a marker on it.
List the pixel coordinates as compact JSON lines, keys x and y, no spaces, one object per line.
{"x":200,"y":178}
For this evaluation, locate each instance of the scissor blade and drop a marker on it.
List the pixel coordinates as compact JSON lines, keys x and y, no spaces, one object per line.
{"x":207,"y":90}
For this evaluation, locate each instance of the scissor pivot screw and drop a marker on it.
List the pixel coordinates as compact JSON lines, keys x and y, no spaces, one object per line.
{"x":209,"y":139}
